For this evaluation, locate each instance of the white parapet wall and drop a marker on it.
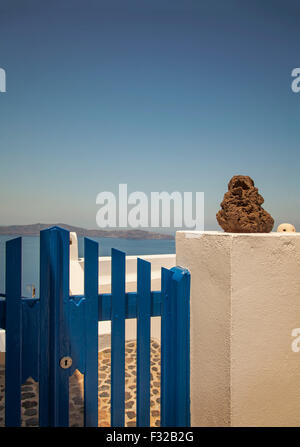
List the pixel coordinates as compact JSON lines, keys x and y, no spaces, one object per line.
{"x":245,"y":304}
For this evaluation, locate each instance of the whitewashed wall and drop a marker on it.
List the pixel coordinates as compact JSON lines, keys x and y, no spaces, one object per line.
{"x":245,"y":302}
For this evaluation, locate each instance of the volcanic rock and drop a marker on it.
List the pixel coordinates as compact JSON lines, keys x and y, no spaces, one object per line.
{"x":241,"y":210}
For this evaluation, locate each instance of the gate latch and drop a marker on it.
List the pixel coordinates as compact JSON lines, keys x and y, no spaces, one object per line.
{"x":65,"y":362}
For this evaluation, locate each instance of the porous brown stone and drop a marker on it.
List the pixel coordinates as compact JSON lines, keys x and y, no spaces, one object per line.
{"x":241,"y":210}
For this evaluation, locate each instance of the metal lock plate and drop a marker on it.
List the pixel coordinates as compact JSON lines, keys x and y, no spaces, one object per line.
{"x":65,"y":362}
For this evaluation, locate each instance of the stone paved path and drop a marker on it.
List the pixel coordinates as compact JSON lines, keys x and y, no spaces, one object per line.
{"x":30,"y":391}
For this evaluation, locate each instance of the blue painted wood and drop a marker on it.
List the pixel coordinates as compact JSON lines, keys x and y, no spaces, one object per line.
{"x":70,"y":327}
{"x":117,"y":338}
{"x":104,"y":306}
{"x":130,"y":305}
{"x":181,"y":289}
{"x":45,"y":404}
{"x":168,"y":352}
{"x":30,"y":338}
{"x":91,"y":333}
{"x":143,"y":342}
{"x":54,"y":335}
{"x":175,"y":348}
{"x":13,"y":358}
{"x":77,"y":334}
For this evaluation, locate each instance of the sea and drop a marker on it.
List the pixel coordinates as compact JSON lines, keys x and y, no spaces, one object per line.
{"x":31,"y":256}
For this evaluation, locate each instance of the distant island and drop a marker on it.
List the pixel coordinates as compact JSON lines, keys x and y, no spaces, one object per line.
{"x":34,"y":230}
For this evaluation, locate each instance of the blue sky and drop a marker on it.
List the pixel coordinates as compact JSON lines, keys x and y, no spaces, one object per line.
{"x":164,"y":95}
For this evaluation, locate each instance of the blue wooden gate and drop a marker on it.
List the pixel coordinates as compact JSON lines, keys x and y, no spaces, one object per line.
{"x":50,"y":337}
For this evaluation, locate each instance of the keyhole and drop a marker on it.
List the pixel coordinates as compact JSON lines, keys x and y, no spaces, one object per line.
{"x":65,"y":362}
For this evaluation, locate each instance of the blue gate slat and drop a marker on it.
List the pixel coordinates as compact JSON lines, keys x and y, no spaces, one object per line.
{"x":117,"y":338}
{"x":175,"y":348}
{"x":143,"y":342}
{"x":44,"y":357}
{"x":30,"y":338}
{"x":91,"y":333}
{"x":13,"y":358}
{"x":54,"y":340}
{"x":77,"y":334}
{"x":181,"y":289}
{"x":168,"y":353}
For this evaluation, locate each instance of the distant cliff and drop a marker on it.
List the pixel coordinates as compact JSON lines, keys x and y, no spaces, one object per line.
{"x":34,"y":230}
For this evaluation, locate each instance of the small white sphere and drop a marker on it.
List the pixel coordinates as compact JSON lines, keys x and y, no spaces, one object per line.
{"x":286,"y":227}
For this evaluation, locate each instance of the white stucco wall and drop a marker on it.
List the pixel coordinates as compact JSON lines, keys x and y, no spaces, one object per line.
{"x":245,"y":302}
